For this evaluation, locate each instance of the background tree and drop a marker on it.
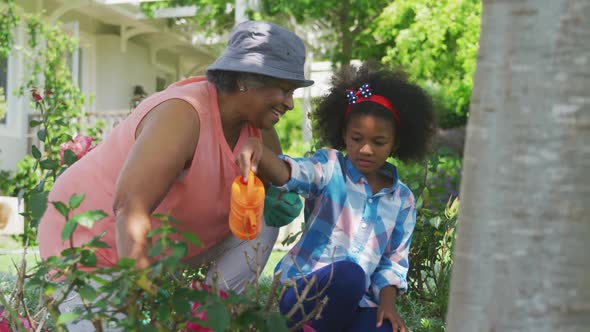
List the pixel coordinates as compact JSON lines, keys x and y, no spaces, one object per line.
{"x":521,"y":260}
{"x":338,"y":24}
{"x":435,"y":41}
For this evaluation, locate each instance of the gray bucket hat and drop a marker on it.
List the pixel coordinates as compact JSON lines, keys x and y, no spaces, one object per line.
{"x":264,"y":48}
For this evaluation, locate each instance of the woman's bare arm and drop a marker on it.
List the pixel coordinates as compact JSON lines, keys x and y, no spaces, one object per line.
{"x":165,"y":142}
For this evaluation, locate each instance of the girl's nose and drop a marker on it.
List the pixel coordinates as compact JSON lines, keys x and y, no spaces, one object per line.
{"x":366,"y":149}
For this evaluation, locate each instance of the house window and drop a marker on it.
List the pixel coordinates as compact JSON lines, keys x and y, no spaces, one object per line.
{"x":3,"y":90}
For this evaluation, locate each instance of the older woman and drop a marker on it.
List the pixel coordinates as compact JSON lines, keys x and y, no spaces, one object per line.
{"x":175,"y":155}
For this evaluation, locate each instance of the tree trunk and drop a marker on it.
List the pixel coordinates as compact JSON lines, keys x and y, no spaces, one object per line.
{"x":522,"y":260}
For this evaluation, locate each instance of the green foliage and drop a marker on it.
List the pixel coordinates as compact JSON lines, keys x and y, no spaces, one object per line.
{"x":435,"y":185}
{"x":56,"y":99}
{"x":8,"y":21}
{"x":289,"y":129}
{"x":343,"y":23}
{"x":347,"y":18}
{"x":3,"y":104}
{"x":436,"y":41}
{"x":158,"y":298}
{"x":213,"y":16}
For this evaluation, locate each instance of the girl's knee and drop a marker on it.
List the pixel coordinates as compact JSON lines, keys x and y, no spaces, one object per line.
{"x":350,"y":275}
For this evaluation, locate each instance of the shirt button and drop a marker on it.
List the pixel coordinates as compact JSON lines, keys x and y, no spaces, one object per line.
{"x":364,"y":225}
{"x":370,"y":200}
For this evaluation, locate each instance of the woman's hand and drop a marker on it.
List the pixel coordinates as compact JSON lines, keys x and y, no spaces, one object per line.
{"x":387,"y":311}
{"x":249,"y":156}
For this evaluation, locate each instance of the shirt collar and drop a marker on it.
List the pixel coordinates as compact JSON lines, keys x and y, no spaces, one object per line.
{"x":387,"y":169}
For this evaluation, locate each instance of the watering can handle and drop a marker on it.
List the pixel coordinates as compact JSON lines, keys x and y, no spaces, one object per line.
{"x":250,"y":224}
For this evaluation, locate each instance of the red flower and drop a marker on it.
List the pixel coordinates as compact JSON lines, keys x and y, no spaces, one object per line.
{"x":81,"y":145}
{"x":36,"y":97}
{"x":4,"y":322}
{"x":202,"y":315}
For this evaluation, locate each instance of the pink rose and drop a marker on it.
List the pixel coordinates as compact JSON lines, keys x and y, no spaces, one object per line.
{"x":81,"y":145}
{"x":202,"y":315}
{"x":4,"y":322}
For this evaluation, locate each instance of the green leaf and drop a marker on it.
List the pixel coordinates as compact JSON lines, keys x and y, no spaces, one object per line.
{"x":35,"y":151}
{"x":68,"y":229}
{"x":87,"y":292}
{"x":435,"y":222}
{"x":49,"y":289}
{"x":154,"y":232}
{"x":88,"y":218}
{"x":192,"y":238}
{"x":76,"y":200}
{"x":69,"y":157}
{"x":156,"y":249}
{"x":276,"y":322}
{"x":41,"y":135}
{"x":96,"y":243}
{"x":61,"y":208}
{"x":88,"y":258}
{"x":179,"y":250}
{"x":126,"y":262}
{"x":49,"y":164}
{"x":38,"y":204}
{"x":34,"y":123}
{"x":217,"y":317}
{"x":68,"y":317}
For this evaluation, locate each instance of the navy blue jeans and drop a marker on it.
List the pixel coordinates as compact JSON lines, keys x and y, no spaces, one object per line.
{"x":344,"y":292}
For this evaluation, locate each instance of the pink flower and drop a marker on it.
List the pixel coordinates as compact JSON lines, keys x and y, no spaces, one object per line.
{"x":4,"y":322}
{"x":202,"y":315}
{"x":81,"y":145}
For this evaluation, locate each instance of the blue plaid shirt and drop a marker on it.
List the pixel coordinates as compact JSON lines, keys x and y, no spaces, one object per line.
{"x":344,"y":221}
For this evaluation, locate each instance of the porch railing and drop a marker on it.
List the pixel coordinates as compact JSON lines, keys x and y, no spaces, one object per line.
{"x":90,"y":119}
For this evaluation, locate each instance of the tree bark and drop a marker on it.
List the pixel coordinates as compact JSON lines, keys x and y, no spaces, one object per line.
{"x":522,"y":260}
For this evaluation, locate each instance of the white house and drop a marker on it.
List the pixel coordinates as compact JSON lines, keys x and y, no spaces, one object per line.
{"x":119,"y":48}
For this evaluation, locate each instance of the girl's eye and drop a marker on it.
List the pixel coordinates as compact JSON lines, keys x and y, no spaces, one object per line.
{"x":356,"y":139}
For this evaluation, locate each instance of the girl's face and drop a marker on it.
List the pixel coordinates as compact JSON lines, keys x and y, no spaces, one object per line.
{"x":369,"y":142}
{"x":266,"y":104}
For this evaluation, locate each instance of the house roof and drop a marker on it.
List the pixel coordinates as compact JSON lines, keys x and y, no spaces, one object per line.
{"x":165,"y":32}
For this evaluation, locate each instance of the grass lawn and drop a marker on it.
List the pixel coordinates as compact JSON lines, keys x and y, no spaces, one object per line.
{"x":6,"y":262}
{"x":6,"y":265}
{"x":273,"y":260}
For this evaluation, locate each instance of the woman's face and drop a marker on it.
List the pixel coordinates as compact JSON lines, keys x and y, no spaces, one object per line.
{"x":266,"y":104}
{"x":369,"y":142}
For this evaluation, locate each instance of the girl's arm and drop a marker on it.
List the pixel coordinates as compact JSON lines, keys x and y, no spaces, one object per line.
{"x":165,"y":142}
{"x":306,"y":176}
{"x":393,"y":265}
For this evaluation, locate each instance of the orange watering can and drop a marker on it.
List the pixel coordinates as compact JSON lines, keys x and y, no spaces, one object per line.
{"x":246,"y":207}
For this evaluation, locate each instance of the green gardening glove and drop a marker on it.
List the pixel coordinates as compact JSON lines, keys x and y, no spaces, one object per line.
{"x":281,"y":208}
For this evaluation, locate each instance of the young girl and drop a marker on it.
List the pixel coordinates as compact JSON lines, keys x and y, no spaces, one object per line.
{"x":359,"y":215}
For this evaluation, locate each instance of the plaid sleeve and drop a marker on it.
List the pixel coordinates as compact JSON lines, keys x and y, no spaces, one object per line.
{"x":393,"y":266}
{"x":309,"y":176}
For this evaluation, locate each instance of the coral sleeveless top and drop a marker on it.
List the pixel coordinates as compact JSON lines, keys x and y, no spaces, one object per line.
{"x":199,"y":199}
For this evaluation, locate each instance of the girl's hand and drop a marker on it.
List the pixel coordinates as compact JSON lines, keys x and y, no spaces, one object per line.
{"x":387,"y":311}
{"x":249,"y":156}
